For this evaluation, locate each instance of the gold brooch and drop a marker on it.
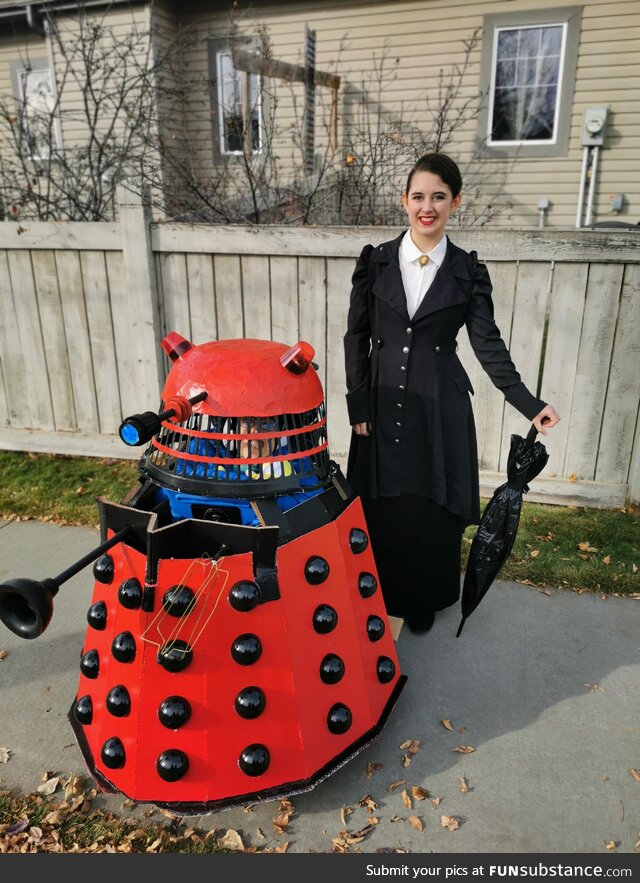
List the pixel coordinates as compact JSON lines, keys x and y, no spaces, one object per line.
{"x":424,"y":260}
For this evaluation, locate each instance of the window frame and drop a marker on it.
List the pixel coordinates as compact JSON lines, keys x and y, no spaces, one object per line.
{"x":218,"y":48}
{"x":569,"y":17}
{"x":18,"y":70}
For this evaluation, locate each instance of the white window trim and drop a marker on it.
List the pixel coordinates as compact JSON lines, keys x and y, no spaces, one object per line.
{"x":21,"y":72}
{"x":220,"y":53}
{"x":492,"y":89}
{"x":571,"y":16}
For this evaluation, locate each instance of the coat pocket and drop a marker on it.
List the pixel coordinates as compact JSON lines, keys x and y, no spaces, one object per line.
{"x":463,"y":383}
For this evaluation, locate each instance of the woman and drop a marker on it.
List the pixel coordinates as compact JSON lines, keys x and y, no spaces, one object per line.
{"x":413,"y":456}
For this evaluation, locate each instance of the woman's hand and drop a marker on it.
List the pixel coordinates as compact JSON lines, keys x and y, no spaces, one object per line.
{"x":548,"y":417}
{"x":362,"y":428}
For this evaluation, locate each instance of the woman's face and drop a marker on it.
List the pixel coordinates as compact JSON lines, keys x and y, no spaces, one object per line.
{"x":429,"y":204}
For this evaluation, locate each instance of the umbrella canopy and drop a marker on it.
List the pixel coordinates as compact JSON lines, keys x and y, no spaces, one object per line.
{"x":498,"y":526}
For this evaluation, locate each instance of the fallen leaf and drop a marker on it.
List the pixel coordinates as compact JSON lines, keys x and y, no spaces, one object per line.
{"x":447,"y":724}
{"x":636,"y":774}
{"x":634,"y":568}
{"x":4,"y":755}
{"x":394,"y":785}
{"x":394,"y":819}
{"x":5,"y":653}
{"x":435,"y":802}
{"x":372,"y":767}
{"x":414,"y":747}
{"x":462,"y":729}
{"x":587,"y":547}
{"x":406,"y":760}
{"x":463,"y":785}
{"x":584,"y":557}
{"x":231,"y":840}
{"x":283,"y":847}
{"x":359,"y":836}
{"x":49,"y":786}
{"x":281,"y":821}
{"x":419,"y":793}
{"x":594,"y":687}
{"x":610,"y":844}
{"x":368,"y":802}
{"x":154,"y":845}
{"x":449,"y":822}
{"x":35,"y":834}
{"x":606,"y":559}
{"x":18,"y":827}
{"x":534,"y":553}
{"x":463,"y":749}
{"x":572,"y":477}
{"x":415,"y":822}
{"x":406,"y":799}
{"x":344,"y":812}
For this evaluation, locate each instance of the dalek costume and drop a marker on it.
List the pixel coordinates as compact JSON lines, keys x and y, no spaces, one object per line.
{"x":238,"y":647}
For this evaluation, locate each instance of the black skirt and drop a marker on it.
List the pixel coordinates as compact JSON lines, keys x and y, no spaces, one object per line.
{"x":416,"y":545}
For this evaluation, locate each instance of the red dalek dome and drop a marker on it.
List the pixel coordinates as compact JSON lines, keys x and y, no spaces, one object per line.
{"x":260,"y":429}
{"x":237,"y":648}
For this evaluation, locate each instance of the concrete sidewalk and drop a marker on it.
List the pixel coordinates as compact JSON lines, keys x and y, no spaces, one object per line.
{"x":546,"y":687}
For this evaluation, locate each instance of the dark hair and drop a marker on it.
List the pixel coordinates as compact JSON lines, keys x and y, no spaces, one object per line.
{"x":443,"y":166}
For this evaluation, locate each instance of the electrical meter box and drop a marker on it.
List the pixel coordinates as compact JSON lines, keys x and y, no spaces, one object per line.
{"x":595,"y":121}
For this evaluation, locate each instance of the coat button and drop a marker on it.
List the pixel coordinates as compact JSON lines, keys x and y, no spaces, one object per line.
{"x":398,"y":423}
{"x":398,"y":404}
{"x":437,"y":349}
{"x":403,"y":367}
{"x":397,"y":441}
{"x":405,"y":349}
{"x":408,"y":330}
{"x":401,"y":386}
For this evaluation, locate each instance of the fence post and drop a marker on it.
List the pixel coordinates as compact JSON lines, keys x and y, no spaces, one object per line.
{"x":142,"y":294}
{"x":634,"y":471}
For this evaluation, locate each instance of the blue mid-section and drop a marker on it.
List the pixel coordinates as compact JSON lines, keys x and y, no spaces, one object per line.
{"x":182,"y":504}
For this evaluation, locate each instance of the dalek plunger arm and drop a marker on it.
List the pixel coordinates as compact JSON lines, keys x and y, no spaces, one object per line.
{"x":140,"y":428}
{"x":26,"y":605}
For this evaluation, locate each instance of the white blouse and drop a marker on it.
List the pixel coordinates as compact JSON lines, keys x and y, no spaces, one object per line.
{"x":415,"y":278}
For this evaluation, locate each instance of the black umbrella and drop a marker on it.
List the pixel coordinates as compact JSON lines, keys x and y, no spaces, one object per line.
{"x":498,"y":526}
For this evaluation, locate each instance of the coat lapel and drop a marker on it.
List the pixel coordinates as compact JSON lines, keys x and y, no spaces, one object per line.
{"x":388,"y":286}
{"x":450,"y":286}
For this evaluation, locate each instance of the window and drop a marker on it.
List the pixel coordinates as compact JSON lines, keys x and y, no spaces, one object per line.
{"x":34,"y":90}
{"x":528,"y":71}
{"x":237,"y":96}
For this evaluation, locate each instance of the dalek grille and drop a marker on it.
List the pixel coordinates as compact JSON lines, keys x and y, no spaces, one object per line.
{"x":242,"y":456}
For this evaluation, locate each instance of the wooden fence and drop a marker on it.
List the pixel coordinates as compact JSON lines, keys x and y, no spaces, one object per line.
{"x":84,"y":305}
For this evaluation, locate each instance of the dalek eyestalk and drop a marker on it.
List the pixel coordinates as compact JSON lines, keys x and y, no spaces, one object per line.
{"x":138,"y":429}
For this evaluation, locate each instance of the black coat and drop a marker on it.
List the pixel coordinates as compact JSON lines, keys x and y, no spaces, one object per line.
{"x":403,"y":375}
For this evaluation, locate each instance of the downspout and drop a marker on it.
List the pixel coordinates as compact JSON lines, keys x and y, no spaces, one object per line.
{"x":31,"y":20}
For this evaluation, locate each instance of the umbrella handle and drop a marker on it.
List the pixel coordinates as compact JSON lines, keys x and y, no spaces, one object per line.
{"x":531,"y":435}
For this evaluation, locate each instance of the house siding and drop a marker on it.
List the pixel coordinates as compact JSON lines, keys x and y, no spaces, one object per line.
{"x":428,"y":37}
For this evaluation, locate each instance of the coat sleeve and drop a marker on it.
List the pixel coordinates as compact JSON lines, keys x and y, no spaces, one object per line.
{"x":491,"y":350}
{"x":357,"y":343}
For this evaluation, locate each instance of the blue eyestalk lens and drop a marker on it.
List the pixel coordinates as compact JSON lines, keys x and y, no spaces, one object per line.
{"x":138,"y":429}
{"x":130,"y":434}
